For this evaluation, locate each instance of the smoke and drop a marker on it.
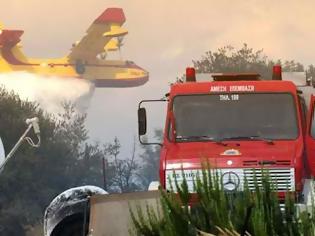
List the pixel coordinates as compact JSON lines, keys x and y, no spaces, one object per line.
{"x":49,"y":92}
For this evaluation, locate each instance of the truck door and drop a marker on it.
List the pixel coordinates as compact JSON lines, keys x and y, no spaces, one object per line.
{"x":310,"y":138}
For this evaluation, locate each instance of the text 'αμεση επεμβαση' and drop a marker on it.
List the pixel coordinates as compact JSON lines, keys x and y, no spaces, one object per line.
{"x":233,"y":88}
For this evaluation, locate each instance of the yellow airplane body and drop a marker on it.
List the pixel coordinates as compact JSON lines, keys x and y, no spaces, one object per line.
{"x":87,"y":59}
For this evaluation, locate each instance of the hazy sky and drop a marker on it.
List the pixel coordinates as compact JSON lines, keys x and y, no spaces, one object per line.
{"x":164,"y":36}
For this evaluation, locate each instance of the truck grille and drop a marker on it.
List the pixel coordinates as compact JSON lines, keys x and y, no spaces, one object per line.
{"x":283,"y":178}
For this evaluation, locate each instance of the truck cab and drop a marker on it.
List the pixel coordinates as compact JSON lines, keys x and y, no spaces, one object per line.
{"x":240,"y":124}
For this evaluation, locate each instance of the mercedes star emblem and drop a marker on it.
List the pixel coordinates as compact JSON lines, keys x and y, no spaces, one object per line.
{"x":230,"y":181}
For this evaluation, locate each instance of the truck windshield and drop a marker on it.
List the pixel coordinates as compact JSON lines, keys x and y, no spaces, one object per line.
{"x":221,"y":117}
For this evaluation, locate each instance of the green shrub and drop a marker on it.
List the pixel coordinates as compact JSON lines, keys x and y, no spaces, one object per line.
{"x":219,"y":212}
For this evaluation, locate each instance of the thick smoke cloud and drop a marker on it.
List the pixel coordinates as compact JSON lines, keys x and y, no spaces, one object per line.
{"x":49,"y":92}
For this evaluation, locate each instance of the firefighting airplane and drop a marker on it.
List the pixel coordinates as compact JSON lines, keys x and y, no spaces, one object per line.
{"x":87,"y":59}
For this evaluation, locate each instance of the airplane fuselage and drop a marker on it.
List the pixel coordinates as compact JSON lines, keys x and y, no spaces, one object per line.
{"x":107,"y":73}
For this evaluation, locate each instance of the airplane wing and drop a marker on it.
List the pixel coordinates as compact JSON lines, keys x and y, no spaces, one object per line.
{"x":100,"y":37}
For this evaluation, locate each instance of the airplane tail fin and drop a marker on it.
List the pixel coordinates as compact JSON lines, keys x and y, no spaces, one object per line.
{"x":10,"y":48}
{"x":102,"y":36}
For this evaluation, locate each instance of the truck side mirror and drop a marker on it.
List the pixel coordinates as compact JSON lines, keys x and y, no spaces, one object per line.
{"x":142,"y":121}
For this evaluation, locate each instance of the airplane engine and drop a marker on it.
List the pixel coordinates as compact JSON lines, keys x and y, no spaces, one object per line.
{"x":79,"y":67}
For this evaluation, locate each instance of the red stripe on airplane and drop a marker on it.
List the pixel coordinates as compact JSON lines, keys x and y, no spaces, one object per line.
{"x":10,"y":37}
{"x":111,"y":15}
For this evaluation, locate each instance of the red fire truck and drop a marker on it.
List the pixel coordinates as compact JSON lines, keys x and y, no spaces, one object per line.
{"x":240,"y":124}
